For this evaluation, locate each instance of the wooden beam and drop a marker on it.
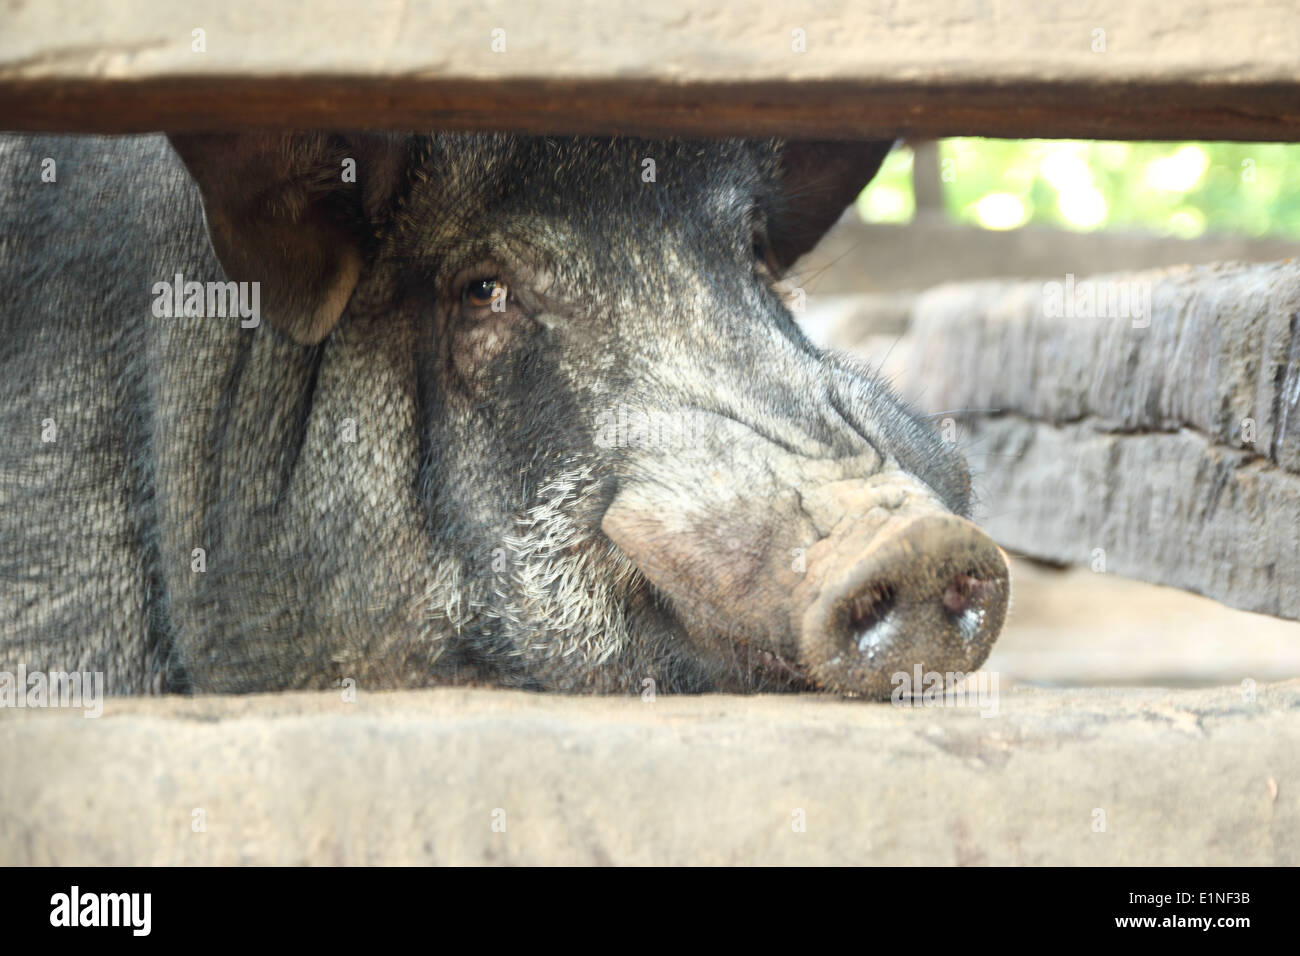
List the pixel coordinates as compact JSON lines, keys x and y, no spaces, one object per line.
{"x":858,"y":257}
{"x":1163,"y":446}
{"x":1159,"y":69}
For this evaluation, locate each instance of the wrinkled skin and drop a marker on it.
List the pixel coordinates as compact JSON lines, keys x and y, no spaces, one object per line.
{"x":634,"y":467}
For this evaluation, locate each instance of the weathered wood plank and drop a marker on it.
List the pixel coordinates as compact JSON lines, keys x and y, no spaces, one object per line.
{"x":700,"y":780}
{"x":1167,"y":508}
{"x":1166,"y":444}
{"x":1090,"y":68}
{"x":859,"y":257}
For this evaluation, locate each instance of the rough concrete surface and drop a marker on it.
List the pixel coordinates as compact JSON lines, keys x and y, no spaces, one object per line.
{"x":1175,"y":777}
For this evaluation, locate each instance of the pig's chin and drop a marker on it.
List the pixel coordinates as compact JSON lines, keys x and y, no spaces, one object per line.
{"x":789,"y":671}
{"x":705,"y":652}
{"x":739,"y":662}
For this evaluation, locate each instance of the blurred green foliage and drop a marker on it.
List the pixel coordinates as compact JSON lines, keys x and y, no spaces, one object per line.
{"x":1177,"y":189}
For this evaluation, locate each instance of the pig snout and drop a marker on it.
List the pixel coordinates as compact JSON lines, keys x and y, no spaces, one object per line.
{"x":883,"y":579}
{"x":880,"y":599}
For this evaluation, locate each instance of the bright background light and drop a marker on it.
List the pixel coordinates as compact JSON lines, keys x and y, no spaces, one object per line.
{"x":1175,"y":189}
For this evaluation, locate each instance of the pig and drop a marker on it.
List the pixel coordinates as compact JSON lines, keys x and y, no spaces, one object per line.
{"x":288,"y":410}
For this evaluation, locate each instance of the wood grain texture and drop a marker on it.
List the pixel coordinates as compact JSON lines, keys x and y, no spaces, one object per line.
{"x":1168,"y":69}
{"x":1171,"y":448}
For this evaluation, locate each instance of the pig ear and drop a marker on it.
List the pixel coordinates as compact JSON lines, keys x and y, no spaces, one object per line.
{"x":819,"y":179}
{"x":280,"y":212}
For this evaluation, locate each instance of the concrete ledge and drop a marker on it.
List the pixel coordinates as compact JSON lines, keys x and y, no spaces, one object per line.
{"x":1182,"y":777}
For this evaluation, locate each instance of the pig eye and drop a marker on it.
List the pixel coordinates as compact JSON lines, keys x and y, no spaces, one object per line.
{"x":483,"y":293}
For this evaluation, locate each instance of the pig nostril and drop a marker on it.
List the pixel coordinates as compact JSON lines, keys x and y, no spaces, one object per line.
{"x":967,"y":599}
{"x":957,"y":595}
{"x":928,"y":591}
{"x":869,"y":618}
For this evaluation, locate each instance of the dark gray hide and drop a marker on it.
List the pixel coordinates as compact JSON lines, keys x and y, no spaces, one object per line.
{"x":630,"y":465}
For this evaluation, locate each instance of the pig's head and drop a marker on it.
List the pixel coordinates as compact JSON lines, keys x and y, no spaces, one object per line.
{"x":638,"y":463}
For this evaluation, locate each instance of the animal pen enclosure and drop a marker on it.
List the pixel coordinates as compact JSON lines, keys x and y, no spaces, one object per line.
{"x":1161,"y":444}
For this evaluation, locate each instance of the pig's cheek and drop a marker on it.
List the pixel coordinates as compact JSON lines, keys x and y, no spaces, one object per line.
{"x":475,"y":346}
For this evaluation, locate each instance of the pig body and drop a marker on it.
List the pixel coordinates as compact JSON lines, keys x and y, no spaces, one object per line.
{"x":488,"y":409}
